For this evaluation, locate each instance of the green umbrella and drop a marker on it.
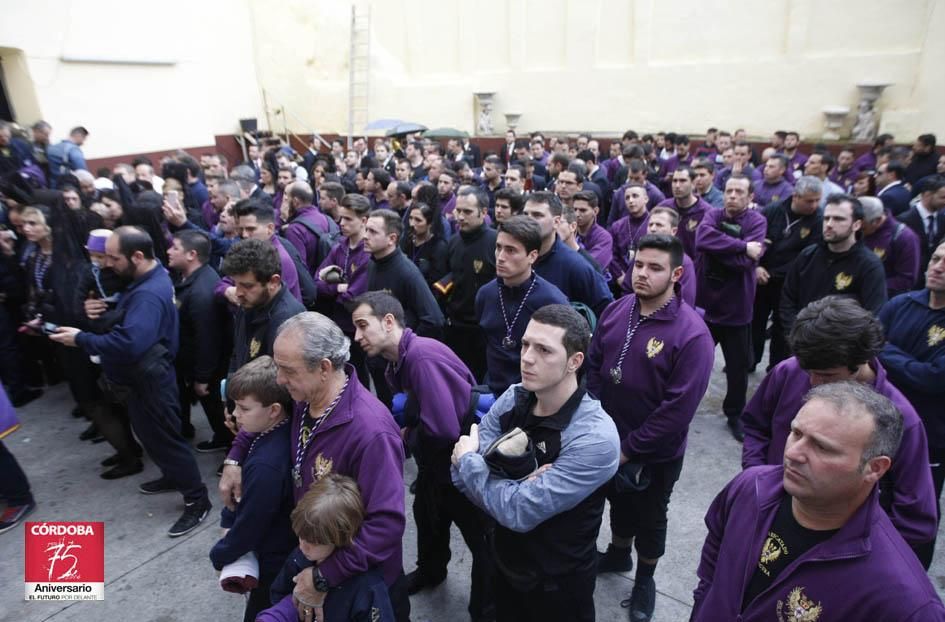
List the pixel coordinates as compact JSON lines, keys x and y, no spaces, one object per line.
{"x":445,"y":132}
{"x":402,"y":129}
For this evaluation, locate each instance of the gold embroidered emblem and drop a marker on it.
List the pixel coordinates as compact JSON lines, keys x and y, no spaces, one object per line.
{"x":775,"y":197}
{"x":321,"y":468}
{"x":936,"y":335}
{"x":842,"y":281}
{"x":353,"y":267}
{"x":254,"y":346}
{"x":692,"y":224}
{"x":798,"y":608}
{"x":477,"y":266}
{"x":653,"y":347}
{"x":805,"y":231}
{"x":880,"y":252}
{"x":772,"y":550}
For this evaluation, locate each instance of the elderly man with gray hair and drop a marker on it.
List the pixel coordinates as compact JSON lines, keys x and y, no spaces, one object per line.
{"x":794,"y":223}
{"x":245,"y":176}
{"x":338,"y":426}
{"x":894,"y":243}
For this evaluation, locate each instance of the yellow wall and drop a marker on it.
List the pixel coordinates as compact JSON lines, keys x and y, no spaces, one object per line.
{"x":566,"y":65}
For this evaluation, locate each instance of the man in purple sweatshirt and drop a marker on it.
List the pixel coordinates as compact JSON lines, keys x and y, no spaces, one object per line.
{"x":836,"y":339}
{"x":305,"y":224}
{"x":338,"y":426}
{"x":729,"y":243}
{"x":440,"y":407}
{"x":596,"y":240}
{"x":649,"y":362}
{"x":807,"y":539}
{"x":894,"y":243}
{"x":690,"y":207}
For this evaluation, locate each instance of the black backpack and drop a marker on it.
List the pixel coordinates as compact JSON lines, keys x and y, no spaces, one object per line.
{"x":306,"y":282}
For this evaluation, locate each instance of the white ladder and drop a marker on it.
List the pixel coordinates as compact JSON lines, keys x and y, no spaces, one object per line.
{"x":359,"y":68}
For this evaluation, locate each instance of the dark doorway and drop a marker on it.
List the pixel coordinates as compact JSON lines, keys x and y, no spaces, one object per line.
{"x":6,"y":113}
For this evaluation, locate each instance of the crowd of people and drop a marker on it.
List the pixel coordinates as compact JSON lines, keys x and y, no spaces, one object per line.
{"x":535,"y":327}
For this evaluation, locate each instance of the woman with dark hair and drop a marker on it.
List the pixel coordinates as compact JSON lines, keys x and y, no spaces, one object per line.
{"x":425,"y":248}
{"x":427,"y":193}
{"x":146,"y":212}
{"x":267,"y":178}
{"x":864,"y":185}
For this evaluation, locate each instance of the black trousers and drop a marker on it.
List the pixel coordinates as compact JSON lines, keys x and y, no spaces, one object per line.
{"x":568,"y":599}
{"x":736,"y":348}
{"x":212,"y":407}
{"x":14,"y":487}
{"x":437,"y":505}
{"x":155,"y":416}
{"x":11,"y":365}
{"x":643,"y":515}
{"x":469,"y":344}
{"x":767,"y":305}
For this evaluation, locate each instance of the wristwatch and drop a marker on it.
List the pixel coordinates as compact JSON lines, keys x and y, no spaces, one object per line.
{"x":320,"y":582}
{"x":231,"y":462}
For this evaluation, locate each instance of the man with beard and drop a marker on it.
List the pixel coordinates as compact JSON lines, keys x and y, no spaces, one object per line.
{"x":665,"y":220}
{"x":773,"y":187}
{"x":308,"y":229}
{"x":137,"y":359}
{"x":492,"y":179}
{"x":730,"y":243}
{"x":834,"y":340}
{"x":440,"y":406}
{"x":838,"y":265}
{"x":796,"y":159}
{"x":793,"y":225}
{"x":649,"y":362}
{"x":690,"y":207}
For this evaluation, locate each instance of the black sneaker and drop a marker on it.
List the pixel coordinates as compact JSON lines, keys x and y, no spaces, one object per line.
{"x":123,"y":470}
{"x":735,"y":427}
{"x":417,"y":582}
{"x":616,"y":559}
{"x":211,"y":446}
{"x":156,"y":487}
{"x":193,"y":515}
{"x":642,"y":600}
{"x":89,"y":433}
{"x":187,"y":430}
{"x":25,"y":396}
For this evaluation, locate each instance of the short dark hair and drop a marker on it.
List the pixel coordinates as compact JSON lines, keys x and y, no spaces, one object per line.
{"x":587,"y":156}
{"x":560,"y":158}
{"x":251,"y":207}
{"x":841,"y":197}
{"x":543,"y":197}
{"x":792,"y":133}
{"x":579,"y":170}
{"x":670,"y":212}
{"x":381,"y":304}
{"x":577,"y":332}
{"x":630,"y":135}
{"x":482,"y":199}
{"x":663,"y":242}
{"x":687,"y":170}
{"x":927,"y":139}
{"x":783,"y":159}
{"x":827,"y":158}
{"x":933,"y":184}
{"x":896,"y":167}
{"x":525,"y":231}
{"x":682,"y":139}
{"x":495,"y":161}
{"x":255,"y":256}
{"x":357,"y":203}
{"x":381,"y":176}
{"x":588,"y":196}
{"x":835,"y":331}
{"x":134,"y":239}
{"x":516,"y":200}
{"x":197,"y":241}
{"x":333,"y":189}
{"x":704,"y":163}
{"x":81,"y":130}
{"x":751,"y":184}
{"x":781,"y":134}
{"x":393,"y":222}
{"x":257,"y":379}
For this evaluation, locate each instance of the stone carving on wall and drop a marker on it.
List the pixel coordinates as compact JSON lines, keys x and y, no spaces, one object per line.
{"x":867,"y":118}
{"x":485,"y":126}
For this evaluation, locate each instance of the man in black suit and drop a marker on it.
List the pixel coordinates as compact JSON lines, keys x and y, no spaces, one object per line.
{"x":927,"y":219}
{"x":249,"y":189}
{"x":892,"y":190}
{"x":508,"y":150}
{"x":472,"y":154}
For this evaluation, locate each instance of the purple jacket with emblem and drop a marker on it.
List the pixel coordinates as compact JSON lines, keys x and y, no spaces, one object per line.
{"x":361,"y":440}
{"x":626,"y":233}
{"x":599,"y":244}
{"x":863,"y":572}
{"x":767,"y":423}
{"x":665,"y":374}
{"x":354,"y":263}
{"x":898,"y":247}
{"x":689,"y":220}
{"x":302,"y":237}
{"x":728,"y":301}
{"x":772,"y":193}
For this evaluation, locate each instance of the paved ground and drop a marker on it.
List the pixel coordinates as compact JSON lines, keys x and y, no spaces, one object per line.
{"x":152,"y":578}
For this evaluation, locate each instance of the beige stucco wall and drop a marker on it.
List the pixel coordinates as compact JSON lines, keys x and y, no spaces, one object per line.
{"x":566,"y":65}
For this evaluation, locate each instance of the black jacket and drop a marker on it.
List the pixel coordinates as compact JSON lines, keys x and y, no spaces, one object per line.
{"x":397,"y":275}
{"x":256,"y":329}
{"x":472,"y":265}
{"x":913,"y":220}
{"x":784,"y":244}
{"x":818,"y":272}
{"x":205,"y":331}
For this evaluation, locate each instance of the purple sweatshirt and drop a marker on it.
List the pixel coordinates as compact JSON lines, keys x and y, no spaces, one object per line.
{"x":772,"y":193}
{"x":290,"y":276}
{"x":359,"y":439}
{"x":863,"y":572}
{"x":898,"y":247}
{"x":354,"y":263}
{"x":726,"y":288}
{"x":302,"y":237}
{"x":689,"y":220}
{"x":618,"y":204}
{"x":767,"y":422}
{"x":664,"y":376}
{"x":626,"y":233}
{"x":210,"y":215}
{"x":599,"y":244}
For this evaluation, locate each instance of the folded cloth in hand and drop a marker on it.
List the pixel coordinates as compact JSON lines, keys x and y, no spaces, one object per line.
{"x":241,"y":576}
{"x":512,"y":455}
